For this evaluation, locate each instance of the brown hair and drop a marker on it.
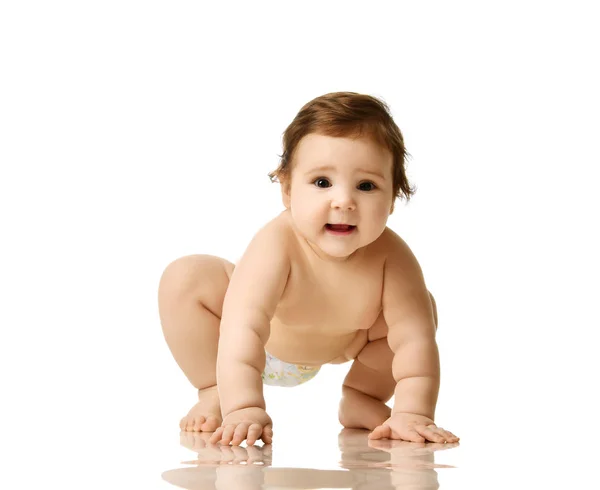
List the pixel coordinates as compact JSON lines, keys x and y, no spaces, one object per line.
{"x":347,"y":114}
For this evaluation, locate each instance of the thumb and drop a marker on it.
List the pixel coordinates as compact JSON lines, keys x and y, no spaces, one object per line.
{"x":381,"y":432}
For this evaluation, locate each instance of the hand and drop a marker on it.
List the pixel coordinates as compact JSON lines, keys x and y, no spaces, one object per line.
{"x":248,"y":423}
{"x":412,"y":427}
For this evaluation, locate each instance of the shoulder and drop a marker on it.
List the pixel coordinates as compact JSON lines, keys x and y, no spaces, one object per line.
{"x":276,"y":229}
{"x":390,"y":243}
{"x":272,"y":241}
{"x":266,"y":261}
{"x":398,"y":255}
{"x":279,"y":229}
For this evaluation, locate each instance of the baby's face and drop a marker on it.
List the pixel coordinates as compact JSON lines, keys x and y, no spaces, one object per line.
{"x":356,"y":189}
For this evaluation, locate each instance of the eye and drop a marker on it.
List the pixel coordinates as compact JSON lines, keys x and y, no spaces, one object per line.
{"x":371,"y":184}
{"x":320,"y":179}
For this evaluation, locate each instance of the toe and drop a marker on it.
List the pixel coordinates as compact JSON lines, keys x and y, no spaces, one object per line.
{"x":198,"y":421}
{"x":210,"y":424}
{"x":189,"y":426}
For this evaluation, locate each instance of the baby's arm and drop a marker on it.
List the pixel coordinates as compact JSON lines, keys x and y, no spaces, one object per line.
{"x":255,"y":288}
{"x":408,"y":312}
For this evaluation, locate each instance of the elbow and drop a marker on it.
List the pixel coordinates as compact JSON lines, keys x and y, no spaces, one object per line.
{"x":240,"y":322}
{"x":242,"y":345}
{"x":418,"y":358}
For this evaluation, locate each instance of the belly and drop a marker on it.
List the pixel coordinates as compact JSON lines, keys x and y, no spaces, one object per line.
{"x":311,"y":347}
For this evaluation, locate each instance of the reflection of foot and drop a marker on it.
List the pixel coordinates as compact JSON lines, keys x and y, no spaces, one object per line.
{"x":198,"y":442}
{"x":349,"y":439}
{"x":205,"y":416}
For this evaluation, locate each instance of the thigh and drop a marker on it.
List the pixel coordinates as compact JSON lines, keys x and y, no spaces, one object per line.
{"x":204,"y":278}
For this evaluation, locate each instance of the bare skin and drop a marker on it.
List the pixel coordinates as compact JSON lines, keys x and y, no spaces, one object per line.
{"x":309,"y":297}
{"x":352,"y":319}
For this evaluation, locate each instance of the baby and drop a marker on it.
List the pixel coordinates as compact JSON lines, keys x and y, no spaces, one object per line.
{"x":324,"y":282}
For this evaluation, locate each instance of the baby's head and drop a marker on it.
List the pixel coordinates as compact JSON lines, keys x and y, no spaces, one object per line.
{"x":357,"y":138}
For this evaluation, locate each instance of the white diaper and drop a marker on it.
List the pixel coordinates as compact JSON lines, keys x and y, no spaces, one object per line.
{"x":281,"y":373}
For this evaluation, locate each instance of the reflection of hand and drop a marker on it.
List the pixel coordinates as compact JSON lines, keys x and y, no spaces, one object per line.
{"x":389,"y":463}
{"x":215,"y":454}
{"x":412,"y":427}
{"x":248,"y":423}
{"x":409,"y":449}
{"x":358,"y":451}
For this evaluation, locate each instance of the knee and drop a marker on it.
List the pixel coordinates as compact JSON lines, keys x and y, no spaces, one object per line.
{"x":377,"y":356}
{"x":191,"y":276}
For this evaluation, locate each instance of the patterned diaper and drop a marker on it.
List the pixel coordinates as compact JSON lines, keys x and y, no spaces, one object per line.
{"x":280,"y":373}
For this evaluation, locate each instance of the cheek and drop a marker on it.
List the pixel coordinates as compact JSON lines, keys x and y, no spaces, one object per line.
{"x":381,"y":213}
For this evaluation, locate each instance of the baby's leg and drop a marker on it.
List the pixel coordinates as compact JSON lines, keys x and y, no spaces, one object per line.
{"x":190,"y":302}
{"x":370,"y":384}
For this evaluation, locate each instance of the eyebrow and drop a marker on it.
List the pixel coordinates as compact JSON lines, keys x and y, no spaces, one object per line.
{"x":329,"y":167}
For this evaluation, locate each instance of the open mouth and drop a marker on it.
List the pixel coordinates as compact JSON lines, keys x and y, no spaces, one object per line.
{"x":340,"y":229}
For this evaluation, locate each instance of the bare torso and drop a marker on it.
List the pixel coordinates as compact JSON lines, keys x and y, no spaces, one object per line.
{"x":327,"y":308}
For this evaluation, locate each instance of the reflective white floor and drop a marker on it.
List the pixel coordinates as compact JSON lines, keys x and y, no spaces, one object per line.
{"x":125,"y":436}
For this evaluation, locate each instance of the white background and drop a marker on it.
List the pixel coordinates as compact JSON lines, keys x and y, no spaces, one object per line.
{"x":132,"y":133}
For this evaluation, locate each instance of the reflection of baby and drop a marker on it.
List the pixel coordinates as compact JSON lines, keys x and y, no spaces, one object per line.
{"x":324,"y":282}
{"x":393,"y":465}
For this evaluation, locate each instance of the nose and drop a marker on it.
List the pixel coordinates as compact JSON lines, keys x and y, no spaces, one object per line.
{"x":343,"y":200}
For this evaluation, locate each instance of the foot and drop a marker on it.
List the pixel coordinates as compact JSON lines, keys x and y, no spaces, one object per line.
{"x":205,"y":416}
{"x":360,"y":411}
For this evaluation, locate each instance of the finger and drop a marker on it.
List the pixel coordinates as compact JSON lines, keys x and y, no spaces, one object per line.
{"x":267,"y":435}
{"x":381,"y":432}
{"x":240,"y":433}
{"x":445,"y":434}
{"x":411,"y":435}
{"x":430,"y":433}
{"x":254,"y":432}
{"x":228,"y":433}
{"x":452,"y":434}
{"x":216,"y":437}
{"x":450,"y":437}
